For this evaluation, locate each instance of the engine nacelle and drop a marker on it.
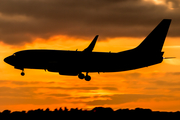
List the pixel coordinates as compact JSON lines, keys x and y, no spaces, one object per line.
{"x":69,"y":73}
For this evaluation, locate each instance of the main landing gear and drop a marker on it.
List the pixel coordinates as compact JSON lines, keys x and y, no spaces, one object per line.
{"x":87,"y":77}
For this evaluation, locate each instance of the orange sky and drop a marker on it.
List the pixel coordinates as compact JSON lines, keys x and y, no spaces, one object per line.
{"x":156,"y":87}
{"x":69,"y":25}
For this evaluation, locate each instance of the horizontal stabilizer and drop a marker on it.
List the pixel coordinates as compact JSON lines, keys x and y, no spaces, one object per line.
{"x":168,"y":57}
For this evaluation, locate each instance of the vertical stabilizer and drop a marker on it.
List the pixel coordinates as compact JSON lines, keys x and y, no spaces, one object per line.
{"x":155,"y":40}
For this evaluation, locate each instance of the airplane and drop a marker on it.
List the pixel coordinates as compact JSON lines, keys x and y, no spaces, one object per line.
{"x":74,"y":63}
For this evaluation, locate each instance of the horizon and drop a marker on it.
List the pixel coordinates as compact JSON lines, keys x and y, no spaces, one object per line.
{"x":81,"y":109}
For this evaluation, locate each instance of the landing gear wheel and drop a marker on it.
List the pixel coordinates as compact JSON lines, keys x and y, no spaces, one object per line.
{"x":87,"y":78}
{"x":81,"y":76}
{"x":22,"y":73}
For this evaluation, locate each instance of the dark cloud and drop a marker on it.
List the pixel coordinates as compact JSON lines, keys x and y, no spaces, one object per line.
{"x":150,"y":88}
{"x":175,"y":90}
{"x":59,"y":95}
{"x":109,"y":88}
{"x":173,"y":73}
{"x":26,"y":83}
{"x":166,"y":83}
{"x":82,"y":88}
{"x":73,"y":88}
{"x":23,"y":20}
{"x":34,"y":101}
{"x":5,"y":82}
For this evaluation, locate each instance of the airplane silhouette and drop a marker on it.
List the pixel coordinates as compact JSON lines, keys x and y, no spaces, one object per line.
{"x":73,"y":63}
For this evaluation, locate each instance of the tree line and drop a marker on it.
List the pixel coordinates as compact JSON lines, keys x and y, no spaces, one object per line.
{"x":95,"y":113}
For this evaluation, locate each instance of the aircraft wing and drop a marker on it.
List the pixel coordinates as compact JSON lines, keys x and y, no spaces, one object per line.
{"x":91,"y":46}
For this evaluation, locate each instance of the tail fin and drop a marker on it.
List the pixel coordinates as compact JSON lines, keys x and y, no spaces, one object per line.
{"x":155,"y":40}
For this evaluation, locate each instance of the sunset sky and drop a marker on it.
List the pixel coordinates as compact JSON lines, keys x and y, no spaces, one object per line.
{"x":71,"y":25}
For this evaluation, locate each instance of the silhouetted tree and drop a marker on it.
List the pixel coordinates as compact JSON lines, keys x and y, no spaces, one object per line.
{"x":6,"y":112}
{"x":55,"y":110}
{"x":95,"y":113}
{"x":65,"y":109}
{"x":60,"y":109}
{"x":47,"y":110}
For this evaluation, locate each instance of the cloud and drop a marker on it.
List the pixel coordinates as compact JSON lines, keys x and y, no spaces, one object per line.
{"x":173,"y":61}
{"x":110,"y":88}
{"x":73,"y":88}
{"x":28,"y":95}
{"x":122,"y":98}
{"x":17,"y":92}
{"x":174,"y":3}
{"x":45,"y":85}
{"x":22,"y":21}
{"x":23,"y":83}
{"x":59,"y":95}
{"x":42,"y":95}
{"x":166,"y":83}
{"x":34,"y":101}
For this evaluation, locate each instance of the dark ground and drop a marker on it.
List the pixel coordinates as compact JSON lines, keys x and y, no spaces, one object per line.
{"x":94,"y":114}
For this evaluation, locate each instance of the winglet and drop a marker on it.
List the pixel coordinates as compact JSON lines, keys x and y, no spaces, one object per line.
{"x":91,"y":46}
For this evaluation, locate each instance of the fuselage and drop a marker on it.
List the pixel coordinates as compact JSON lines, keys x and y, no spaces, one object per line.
{"x":77,"y":61}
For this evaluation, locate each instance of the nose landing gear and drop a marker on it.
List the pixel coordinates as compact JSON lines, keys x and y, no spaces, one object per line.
{"x":87,"y":77}
{"x":22,"y":73}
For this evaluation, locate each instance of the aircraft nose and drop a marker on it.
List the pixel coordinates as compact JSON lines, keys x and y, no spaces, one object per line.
{"x":9,"y":60}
